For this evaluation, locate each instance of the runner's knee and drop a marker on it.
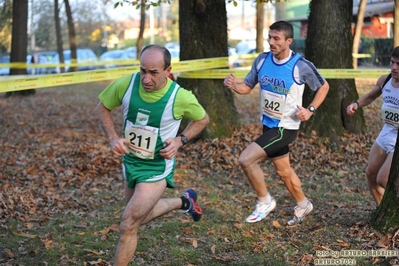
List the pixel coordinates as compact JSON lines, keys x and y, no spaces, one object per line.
{"x":245,"y":161}
{"x":284,"y":174}
{"x":129,"y":225}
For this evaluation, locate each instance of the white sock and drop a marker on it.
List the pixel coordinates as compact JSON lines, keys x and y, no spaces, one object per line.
{"x":303,"y":204}
{"x":266,"y":199}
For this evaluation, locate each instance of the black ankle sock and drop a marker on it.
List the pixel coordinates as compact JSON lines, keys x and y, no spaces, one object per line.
{"x":185,"y":203}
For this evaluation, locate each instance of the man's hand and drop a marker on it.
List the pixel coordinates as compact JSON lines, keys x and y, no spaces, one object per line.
{"x":303,"y":114}
{"x":118,"y":146}
{"x":172,"y":145}
{"x":230,"y":82}
{"x":351,"y":109}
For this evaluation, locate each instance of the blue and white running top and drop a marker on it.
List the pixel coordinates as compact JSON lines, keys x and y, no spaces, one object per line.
{"x":390,"y":105}
{"x":282,"y":84}
{"x":390,"y":114}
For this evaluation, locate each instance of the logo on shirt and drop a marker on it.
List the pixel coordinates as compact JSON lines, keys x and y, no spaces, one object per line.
{"x":278,"y":85}
{"x":142,"y":119}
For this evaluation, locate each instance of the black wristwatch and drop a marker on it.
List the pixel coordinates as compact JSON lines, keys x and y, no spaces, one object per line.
{"x":311,"y":108}
{"x":184,"y":139}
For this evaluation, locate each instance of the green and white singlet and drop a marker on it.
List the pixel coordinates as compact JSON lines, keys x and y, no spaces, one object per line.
{"x":149,"y":120}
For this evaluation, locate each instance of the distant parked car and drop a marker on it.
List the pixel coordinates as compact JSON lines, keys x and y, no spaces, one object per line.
{"x":131,"y":49}
{"x":112,"y":57}
{"x":48,"y":54}
{"x":83,"y":56}
{"x":232,"y":56}
{"x":172,"y":45}
{"x":174,"y":53}
{"x":4,"y":70}
{"x":245,"y":48}
{"x":36,"y":71}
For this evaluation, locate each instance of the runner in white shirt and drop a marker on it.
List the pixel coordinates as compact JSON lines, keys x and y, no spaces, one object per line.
{"x":381,"y":153}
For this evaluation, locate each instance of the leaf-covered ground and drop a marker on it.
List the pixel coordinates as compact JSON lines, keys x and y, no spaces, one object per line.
{"x":55,"y":160}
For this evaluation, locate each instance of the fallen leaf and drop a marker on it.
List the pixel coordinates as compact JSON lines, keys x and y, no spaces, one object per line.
{"x":213,"y":249}
{"x":276,"y":224}
{"x":17,"y":233}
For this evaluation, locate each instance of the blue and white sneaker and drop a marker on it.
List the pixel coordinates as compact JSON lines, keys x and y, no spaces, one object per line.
{"x":261,"y":211}
{"x":195,"y":210}
{"x":300,"y":214}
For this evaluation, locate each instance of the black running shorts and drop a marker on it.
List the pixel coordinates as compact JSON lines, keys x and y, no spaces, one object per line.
{"x":275,"y":141}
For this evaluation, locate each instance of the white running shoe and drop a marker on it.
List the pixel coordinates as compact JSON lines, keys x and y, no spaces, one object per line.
{"x":261,"y":211}
{"x":300,"y":214}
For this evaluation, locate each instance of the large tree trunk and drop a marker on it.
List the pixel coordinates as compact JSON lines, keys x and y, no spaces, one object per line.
{"x":386,"y":219}
{"x":358,"y":30}
{"x":140,"y":38}
{"x":260,"y":17}
{"x":396,"y":25}
{"x":58,"y":34}
{"x":329,"y":45}
{"x":19,"y":40}
{"x":203,"y":34}
{"x":72,"y":36}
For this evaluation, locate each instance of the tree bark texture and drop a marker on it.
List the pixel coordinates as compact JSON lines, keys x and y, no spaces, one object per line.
{"x":60,"y":49}
{"x":140,"y":38}
{"x":203,"y":34}
{"x":386,"y":219}
{"x":72,"y":36}
{"x":358,"y":30}
{"x":19,"y":40}
{"x":260,"y":17}
{"x":396,"y":24}
{"x":329,"y":45}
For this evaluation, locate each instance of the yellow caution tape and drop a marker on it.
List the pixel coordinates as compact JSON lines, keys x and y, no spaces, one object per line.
{"x":361,"y":55}
{"x":353,"y":73}
{"x":214,"y":73}
{"x":326,"y":73}
{"x":25,"y":82}
{"x":20,"y":65}
{"x":210,"y":68}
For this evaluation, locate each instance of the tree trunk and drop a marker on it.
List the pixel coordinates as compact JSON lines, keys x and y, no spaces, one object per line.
{"x":396,"y":25}
{"x":203,"y":34}
{"x":386,"y":219}
{"x":72,"y":36}
{"x":140,"y":38}
{"x":6,"y":24}
{"x":19,"y":40}
{"x":58,"y":34}
{"x":329,"y":45}
{"x":260,"y":17}
{"x":358,"y":30}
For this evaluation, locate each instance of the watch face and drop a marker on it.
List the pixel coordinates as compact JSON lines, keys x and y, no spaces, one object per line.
{"x":183,"y":139}
{"x":311,"y":108}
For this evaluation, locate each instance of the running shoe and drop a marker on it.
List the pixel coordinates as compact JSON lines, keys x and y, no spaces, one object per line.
{"x":195,"y":210}
{"x":261,"y":211}
{"x":300,"y":214}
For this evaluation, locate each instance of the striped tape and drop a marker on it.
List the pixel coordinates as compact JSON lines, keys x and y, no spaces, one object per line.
{"x":210,"y":68}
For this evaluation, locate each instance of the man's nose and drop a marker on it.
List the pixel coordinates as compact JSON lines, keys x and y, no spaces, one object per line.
{"x":146,"y":77}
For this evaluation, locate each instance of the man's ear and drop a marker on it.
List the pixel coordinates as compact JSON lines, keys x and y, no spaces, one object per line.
{"x":168,"y":70}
